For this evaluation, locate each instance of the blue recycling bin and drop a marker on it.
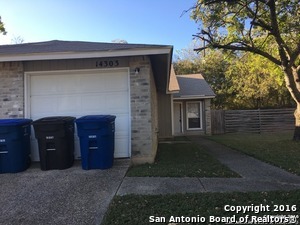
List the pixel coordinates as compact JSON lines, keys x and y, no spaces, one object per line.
{"x":14,"y":145}
{"x":97,"y":141}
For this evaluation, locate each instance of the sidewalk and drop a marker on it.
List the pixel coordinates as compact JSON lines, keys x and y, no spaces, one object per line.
{"x":255,"y":176}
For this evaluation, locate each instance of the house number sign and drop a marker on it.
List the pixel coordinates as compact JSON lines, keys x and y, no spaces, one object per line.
{"x":107,"y":63}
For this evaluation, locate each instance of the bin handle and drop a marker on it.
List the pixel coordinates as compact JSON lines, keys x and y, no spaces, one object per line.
{"x":3,"y":152}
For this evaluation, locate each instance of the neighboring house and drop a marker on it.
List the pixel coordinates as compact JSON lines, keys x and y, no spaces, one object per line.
{"x":70,"y":78}
{"x":191,"y":106}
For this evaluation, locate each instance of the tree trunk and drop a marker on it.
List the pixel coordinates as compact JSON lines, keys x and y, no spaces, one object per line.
{"x":293,"y":85}
{"x":297,"y":123}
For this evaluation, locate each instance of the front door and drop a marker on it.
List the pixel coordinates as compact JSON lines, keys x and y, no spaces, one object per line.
{"x":177,"y":118}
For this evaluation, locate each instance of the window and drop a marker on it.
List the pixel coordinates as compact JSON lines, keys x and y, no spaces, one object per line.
{"x":194,"y":115}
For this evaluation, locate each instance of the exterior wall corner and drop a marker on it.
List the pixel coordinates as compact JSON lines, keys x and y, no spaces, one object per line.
{"x":12,"y":90}
{"x":144,"y":117}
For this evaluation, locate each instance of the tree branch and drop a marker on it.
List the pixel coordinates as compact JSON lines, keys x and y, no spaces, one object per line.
{"x":250,"y":30}
{"x":257,"y":21}
{"x":294,"y":55}
{"x":282,"y":47}
{"x":244,"y":47}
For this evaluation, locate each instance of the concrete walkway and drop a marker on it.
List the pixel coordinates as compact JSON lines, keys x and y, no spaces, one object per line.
{"x":70,"y":196}
{"x":255,"y":176}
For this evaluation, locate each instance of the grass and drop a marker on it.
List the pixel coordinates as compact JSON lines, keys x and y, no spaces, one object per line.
{"x":275,"y":148}
{"x":187,"y":159}
{"x":136,"y":209}
{"x":182,"y":160}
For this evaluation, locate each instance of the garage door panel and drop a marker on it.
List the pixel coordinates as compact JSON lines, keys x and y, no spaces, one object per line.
{"x":67,"y":85}
{"x":121,"y":123}
{"x":54,"y":84}
{"x":48,"y":104}
{"x":119,"y":84}
{"x":83,"y":93}
{"x":48,"y":87}
{"x":92,"y":103}
{"x":121,"y":145}
{"x":121,"y":106}
{"x":92,"y":83}
{"x":109,"y":102}
{"x":54,"y":105}
{"x":96,"y":82}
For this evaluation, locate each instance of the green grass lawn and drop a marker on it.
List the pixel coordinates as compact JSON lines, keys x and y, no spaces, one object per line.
{"x":137,"y":209}
{"x":182,"y":160}
{"x":275,"y":148}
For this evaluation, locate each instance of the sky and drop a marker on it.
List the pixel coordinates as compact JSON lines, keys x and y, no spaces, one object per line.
{"x":136,"y":21}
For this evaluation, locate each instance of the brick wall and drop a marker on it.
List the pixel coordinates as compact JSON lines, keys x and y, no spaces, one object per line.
{"x":207,"y":116}
{"x":143,"y":111}
{"x":144,"y":117}
{"x":12,"y":90}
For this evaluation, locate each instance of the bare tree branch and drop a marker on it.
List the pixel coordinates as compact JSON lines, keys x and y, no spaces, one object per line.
{"x":242,"y":47}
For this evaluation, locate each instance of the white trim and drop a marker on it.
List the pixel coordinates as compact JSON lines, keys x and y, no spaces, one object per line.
{"x":80,"y":55}
{"x":201,"y":115}
{"x":28,"y":74}
{"x":129,"y":112}
{"x":26,"y":95}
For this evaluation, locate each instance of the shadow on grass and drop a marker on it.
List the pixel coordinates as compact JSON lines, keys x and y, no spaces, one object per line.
{"x":137,"y":209}
{"x":277,"y":149}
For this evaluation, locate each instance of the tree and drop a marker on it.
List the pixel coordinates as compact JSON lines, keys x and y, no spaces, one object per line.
{"x":187,"y":61}
{"x":212,"y":66}
{"x":121,"y":41}
{"x":17,"y":40}
{"x":247,"y":25}
{"x":256,"y":83}
{"x":2,"y":28}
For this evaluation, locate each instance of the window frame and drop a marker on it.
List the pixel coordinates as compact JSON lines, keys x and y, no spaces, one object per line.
{"x":200,"y":104}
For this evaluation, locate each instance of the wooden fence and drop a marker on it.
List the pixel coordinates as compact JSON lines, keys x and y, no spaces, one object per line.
{"x":252,"y":121}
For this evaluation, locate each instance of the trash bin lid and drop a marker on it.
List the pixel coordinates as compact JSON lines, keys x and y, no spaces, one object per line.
{"x":96,"y":118}
{"x":14,"y":122}
{"x":54,"y":120}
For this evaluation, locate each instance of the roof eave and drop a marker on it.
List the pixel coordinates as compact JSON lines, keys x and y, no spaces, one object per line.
{"x":87,"y":54}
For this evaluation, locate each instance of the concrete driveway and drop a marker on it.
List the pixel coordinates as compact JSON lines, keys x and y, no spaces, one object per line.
{"x":71,"y":196}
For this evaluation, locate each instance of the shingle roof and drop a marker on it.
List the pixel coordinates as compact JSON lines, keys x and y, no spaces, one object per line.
{"x":193,"y":85}
{"x":69,"y":46}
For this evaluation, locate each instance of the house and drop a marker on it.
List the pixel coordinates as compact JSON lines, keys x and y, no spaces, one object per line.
{"x":189,"y":98}
{"x":191,"y":106}
{"x":72,"y":78}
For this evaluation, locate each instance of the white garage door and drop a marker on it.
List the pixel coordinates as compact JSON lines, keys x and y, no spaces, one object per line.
{"x":79,"y":93}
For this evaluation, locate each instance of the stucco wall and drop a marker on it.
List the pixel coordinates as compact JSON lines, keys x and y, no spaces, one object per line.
{"x":11,"y":90}
{"x":164,"y":115}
